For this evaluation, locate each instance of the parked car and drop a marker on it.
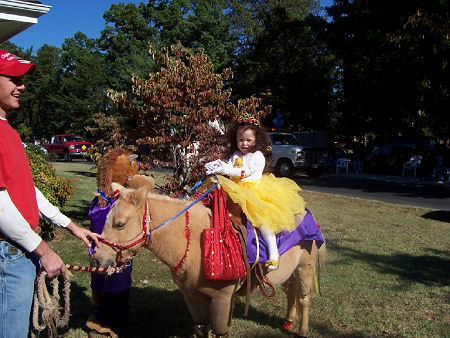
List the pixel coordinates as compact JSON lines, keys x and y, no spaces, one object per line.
{"x":69,"y":146}
{"x":289,"y":156}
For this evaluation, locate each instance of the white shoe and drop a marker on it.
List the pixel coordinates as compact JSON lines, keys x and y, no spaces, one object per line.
{"x":271,"y":264}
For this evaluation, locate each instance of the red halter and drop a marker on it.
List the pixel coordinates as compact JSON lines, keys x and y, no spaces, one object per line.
{"x":145,"y":237}
{"x":136,"y":242}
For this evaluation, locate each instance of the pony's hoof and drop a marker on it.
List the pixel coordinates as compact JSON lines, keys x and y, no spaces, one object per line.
{"x":288,"y":325}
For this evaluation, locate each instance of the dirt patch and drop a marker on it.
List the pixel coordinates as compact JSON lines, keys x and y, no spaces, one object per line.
{"x":60,"y":234}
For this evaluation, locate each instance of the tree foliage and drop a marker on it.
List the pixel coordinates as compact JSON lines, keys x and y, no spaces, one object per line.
{"x":125,"y":43}
{"x":394,"y":59}
{"x":82,"y":85}
{"x":107,"y":132}
{"x":173,"y":110}
{"x":196,"y":24}
{"x":249,"y":17}
{"x":290,"y":65}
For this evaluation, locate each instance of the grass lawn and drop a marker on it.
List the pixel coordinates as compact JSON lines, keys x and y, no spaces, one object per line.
{"x":387,"y":274}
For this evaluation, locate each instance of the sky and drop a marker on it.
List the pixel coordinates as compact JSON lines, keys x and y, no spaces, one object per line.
{"x":66,"y":17}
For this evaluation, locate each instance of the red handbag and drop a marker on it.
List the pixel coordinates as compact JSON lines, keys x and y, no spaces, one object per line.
{"x":222,"y":251}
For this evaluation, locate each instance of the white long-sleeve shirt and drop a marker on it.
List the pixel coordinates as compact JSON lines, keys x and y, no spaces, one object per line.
{"x":14,"y":226}
{"x":252,"y":164}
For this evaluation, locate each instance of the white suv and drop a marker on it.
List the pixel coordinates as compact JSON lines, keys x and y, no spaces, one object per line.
{"x":288,"y":155}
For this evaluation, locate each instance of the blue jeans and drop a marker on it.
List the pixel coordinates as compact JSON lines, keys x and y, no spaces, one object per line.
{"x":17,"y":275}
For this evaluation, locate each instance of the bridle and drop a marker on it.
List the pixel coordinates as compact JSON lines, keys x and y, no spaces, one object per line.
{"x":142,"y":237}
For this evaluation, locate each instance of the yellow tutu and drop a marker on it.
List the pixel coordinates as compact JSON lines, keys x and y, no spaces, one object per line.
{"x":271,"y":201}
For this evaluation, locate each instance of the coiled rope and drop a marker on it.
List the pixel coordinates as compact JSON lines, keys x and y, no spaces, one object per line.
{"x":51,"y":314}
{"x":47,"y":308}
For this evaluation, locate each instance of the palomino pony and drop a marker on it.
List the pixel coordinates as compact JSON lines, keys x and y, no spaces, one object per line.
{"x":177,"y":243}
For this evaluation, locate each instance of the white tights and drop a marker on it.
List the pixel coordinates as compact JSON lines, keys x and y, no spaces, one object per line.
{"x":271,"y":240}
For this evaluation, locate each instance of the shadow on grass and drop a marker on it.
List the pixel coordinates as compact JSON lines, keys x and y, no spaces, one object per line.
{"x":430,"y":269}
{"x":325,"y":331}
{"x":157,"y":313}
{"x":438,"y":215}
{"x":81,"y":173}
{"x":78,"y":211}
{"x":264,"y":318}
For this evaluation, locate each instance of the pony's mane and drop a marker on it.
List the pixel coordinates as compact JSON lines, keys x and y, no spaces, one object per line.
{"x":106,"y":170}
{"x":177,"y":201}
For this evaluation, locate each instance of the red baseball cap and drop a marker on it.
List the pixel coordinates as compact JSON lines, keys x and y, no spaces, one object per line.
{"x":11,"y":66}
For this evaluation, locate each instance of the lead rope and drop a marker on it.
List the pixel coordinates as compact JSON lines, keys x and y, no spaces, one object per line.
{"x":49,"y":305}
{"x":50,"y":313}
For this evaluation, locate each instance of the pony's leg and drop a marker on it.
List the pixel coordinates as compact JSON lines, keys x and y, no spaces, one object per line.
{"x":221,"y":313}
{"x":200,"y":315}
{"x":291,"y":289}
{"x":305,"y":277}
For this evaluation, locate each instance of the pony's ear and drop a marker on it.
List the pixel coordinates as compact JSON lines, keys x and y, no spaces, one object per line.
{"x":138,"y":196}
{"x":138,"y":181}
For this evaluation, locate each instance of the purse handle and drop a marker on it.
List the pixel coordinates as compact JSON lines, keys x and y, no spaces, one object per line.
{"x":221,"y":219}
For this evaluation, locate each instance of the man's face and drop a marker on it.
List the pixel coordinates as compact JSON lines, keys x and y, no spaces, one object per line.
{"x":10,"y":90}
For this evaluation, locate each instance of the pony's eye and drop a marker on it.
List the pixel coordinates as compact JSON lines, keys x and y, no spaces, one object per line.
{"x":119,"y":225}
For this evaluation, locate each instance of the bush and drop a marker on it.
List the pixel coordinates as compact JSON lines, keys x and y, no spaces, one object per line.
{"x":57,"y":190}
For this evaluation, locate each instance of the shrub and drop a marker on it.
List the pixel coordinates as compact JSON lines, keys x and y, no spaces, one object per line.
{"x":58,"y":190}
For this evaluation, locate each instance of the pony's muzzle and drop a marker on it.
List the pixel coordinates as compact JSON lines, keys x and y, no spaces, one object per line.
{"x":102,"y":258}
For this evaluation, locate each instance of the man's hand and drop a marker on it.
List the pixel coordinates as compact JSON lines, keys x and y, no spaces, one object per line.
{"x":49,"y":259}
{"x":84,"y":234}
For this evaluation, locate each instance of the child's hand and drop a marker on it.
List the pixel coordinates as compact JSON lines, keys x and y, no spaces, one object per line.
{"x":227,"y":169}
{"x":220,"y":167}
{"x":212,"y":167}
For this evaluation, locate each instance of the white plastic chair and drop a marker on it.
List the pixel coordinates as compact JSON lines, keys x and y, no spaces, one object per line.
{"x":342,"y":164}
{"x":412,"y":165}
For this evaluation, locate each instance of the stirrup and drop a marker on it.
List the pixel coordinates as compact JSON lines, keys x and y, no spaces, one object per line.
{"x":271,"y":264}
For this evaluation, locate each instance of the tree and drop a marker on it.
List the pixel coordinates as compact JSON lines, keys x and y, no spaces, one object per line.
{"x":394,"y":58}
{"x":290,"y":65}
{"x":125,"y":39}
{"x":107,"y":131}
{"x":83,"y":87}
{"x":196,"y":24}
{"x":249,"y":17}
{"x":172,"y":111}
{"x":44,"y":84}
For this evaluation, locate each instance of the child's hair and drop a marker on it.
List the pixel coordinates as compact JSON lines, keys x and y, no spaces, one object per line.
{"x":261,"y":142}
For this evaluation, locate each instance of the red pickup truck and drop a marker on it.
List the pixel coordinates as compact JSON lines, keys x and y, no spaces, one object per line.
{"x":69,"y":146}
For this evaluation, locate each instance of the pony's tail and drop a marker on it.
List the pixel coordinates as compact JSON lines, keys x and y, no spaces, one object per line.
{"x":318,"y":268}
{"x":321,"y":256}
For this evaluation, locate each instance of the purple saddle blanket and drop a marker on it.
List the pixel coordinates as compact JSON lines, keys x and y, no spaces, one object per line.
{"x":307,"y":230}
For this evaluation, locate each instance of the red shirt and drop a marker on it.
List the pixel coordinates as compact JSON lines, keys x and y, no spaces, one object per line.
{"x":15,"y":174}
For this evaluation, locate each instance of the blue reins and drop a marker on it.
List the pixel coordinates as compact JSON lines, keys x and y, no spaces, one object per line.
{"x":192,"y":203}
